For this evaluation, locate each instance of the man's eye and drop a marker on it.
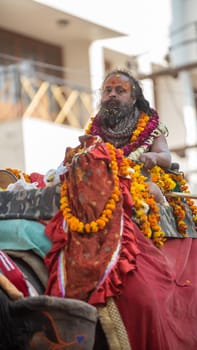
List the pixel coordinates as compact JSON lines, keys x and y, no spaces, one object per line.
{"x":120,"y":90}
{"x":107,"y":90}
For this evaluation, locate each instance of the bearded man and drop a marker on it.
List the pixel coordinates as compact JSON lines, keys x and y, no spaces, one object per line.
{"x":143,"y":285}
{"x":122,"y":106}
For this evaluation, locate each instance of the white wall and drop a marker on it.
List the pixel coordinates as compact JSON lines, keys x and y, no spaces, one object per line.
{"x":76,"y":59}
{"x":11,"y":145}
{"x":45,"y":144}
{"x":170,"y":108}
{"x":33,"y":145}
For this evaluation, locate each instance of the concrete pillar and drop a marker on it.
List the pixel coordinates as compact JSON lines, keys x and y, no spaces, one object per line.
{"x":184,"y":51}
{"x":144,"y":67}
{"x":97,"y":70}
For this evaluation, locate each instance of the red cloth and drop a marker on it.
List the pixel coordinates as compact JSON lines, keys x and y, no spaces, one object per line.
{"x":90,"y":257}
{"x":13,"y":273}
{"x":88,"y":269}
{"x":154,"y":288}
{"x":57,"y":235}
{"x":39,"y":178}
{"x":159,"y":301}
{"x":114,"y":283}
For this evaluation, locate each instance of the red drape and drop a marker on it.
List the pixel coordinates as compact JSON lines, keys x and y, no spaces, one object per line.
{"x":159,"y":301}
{"x":154,"y":288}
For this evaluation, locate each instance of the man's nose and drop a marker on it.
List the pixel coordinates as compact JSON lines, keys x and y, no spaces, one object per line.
{"x":113,"y":93}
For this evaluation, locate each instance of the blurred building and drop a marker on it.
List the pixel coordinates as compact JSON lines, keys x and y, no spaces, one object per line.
{"x":53,"y":57}
{"x":176,"y":87}
{"x":45,"y":85}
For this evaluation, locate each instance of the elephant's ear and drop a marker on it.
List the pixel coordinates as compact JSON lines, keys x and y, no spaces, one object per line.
{"x":56,"y":323}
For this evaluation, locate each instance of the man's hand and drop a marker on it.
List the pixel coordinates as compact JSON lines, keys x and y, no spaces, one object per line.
{"x":149,"y":159}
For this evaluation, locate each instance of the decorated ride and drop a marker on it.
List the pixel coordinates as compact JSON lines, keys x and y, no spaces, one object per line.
{"x":65,"y":233}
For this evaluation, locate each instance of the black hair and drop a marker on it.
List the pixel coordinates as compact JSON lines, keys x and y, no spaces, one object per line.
{"x":141,"y":102}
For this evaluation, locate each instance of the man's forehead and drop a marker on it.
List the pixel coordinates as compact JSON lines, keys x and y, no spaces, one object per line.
{"x":118,"y":79}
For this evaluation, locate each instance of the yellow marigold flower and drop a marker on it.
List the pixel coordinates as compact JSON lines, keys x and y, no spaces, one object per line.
{"x":111,"y":206}
{"x":108,"y":213}
{"x":101,"y":223}
{"x":87,"y":228}
{"x":93,"y":226}
{"x":81,"y":227}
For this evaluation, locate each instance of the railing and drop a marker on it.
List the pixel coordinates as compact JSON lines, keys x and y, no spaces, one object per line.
{"x":25,"y":91}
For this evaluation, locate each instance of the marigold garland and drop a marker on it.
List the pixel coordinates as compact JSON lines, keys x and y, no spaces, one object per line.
{"x":148,"y":222}
{"x":143,"y":120}
{"x":18,"y":173}
{"x":168,"y":182}
{"x":94,"y":226}
{"x":178,"y":204}
{"x":141,"y":139}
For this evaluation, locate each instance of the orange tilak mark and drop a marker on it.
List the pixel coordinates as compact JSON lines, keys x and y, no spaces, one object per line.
{"x":117,"y":81}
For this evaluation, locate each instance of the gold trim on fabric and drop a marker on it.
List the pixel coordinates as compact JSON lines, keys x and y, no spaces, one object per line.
{"x":113,"y":326}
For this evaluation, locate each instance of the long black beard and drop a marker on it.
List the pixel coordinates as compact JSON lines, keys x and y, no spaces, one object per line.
{"x":117,"y":121}
{"x":113,"y":113}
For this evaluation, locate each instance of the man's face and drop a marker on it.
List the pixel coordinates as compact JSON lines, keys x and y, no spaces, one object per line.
{"x":117,"y":88}
{"x":116,"y":101}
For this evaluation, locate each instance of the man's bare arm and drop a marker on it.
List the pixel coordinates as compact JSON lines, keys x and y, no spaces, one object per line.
{"x":159,"y":154}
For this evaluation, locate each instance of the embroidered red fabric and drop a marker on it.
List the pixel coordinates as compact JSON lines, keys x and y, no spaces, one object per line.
{"x":89,"y":258}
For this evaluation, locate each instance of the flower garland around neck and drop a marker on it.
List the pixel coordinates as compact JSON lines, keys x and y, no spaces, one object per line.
{"x":142,"y":137}
{"x":168,"y":182}
{"x":94,"y":226}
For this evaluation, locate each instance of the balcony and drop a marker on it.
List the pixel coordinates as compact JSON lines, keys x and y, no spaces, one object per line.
{"x":40,"y":90}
